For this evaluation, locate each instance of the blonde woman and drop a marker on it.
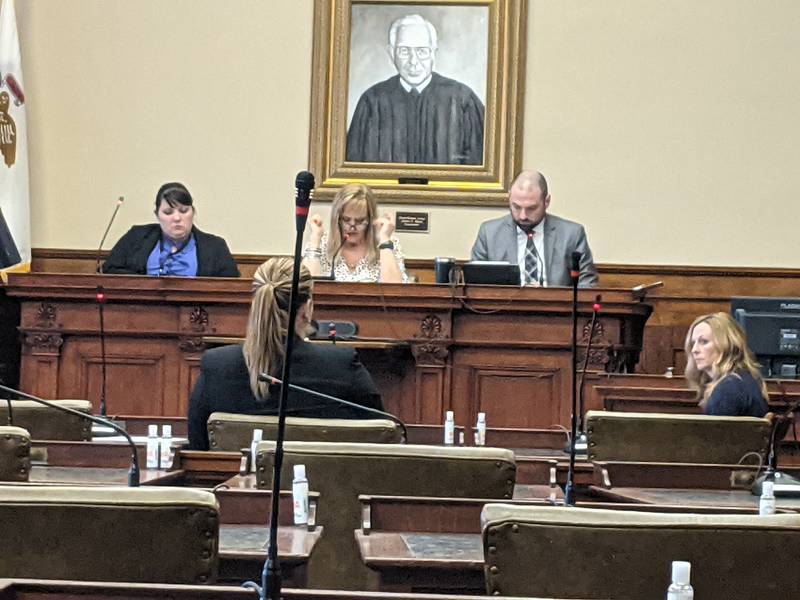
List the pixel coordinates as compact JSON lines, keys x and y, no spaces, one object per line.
{"x":228,"y":379}
{"x":720,"y":366}
{"x":359,"y":245}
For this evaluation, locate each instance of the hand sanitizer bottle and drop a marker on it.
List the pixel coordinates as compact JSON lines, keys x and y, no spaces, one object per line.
{"x":766,"y":504}
{"x":680,"y":588}
{"x":166,"y":447}
{"x":152,"y":447}
{"x":258,"y":434}
{"x":300,"y":495}
{"x":449,"y":428}
{"x":480,"y":430}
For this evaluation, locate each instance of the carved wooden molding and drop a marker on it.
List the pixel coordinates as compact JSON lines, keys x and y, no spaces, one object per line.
{"x":42,"y":343}
{"x":430,"y":346}
{"x":191,"y":344}
{"x":198,"y":319}
{"x":599,"y":354}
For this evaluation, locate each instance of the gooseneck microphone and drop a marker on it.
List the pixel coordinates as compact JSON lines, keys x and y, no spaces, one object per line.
{"x":10,"y":412}
{"x":275,"y":381}
{"x":582,"y":443}
{"x":98,"y":266}
{"x":100,"y":296}
{"x":569,"y":491}
{"x":133,"y":473}
{"x":271,"y":574}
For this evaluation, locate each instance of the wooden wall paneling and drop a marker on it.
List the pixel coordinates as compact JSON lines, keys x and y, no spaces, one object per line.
{"x":156,"y":330}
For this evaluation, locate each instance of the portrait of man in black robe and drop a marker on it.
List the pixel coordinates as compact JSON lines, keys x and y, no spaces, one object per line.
{"x":416,"y":116}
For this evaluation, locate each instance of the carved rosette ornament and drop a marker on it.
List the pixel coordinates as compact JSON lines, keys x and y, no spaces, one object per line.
{"x":42,"y":343}
{"x":45,"y":315}
{"x":198,"y":319}
{"x":430,"y":346}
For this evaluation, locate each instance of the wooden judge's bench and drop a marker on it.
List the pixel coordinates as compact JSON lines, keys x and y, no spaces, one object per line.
{"x":430,"y":348}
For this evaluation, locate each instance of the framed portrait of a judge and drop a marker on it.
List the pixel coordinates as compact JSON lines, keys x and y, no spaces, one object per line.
{"x":421,"y":100}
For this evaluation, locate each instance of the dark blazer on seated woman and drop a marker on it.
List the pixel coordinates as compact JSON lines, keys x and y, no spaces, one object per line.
{"x":129,"y":255}
{"x":224,"y":386}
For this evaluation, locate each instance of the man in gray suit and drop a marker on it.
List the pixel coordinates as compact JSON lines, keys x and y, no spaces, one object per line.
{"x":540,"y":243}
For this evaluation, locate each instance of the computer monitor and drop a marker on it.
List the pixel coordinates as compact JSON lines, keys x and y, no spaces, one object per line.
{"x":490,"y":272}
{"x":772,"y":326}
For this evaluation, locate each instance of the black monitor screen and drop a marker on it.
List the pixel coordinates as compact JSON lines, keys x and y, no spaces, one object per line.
{"x":772,"y":326}
{"x":491,"y":272}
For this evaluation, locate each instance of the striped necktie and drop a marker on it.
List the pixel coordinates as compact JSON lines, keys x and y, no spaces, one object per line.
{"x":531,"y":261}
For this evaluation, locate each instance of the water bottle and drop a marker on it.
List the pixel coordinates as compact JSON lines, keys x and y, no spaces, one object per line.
{"x":300,"y":495}
{"x":166,"y":447}
{"x":258,"y":434}
{"x":152,"y":447}
{"x":449,"y":428}
{"x":680,"y":589}
{"x":480,"y":430}
{"x":766,"y":504}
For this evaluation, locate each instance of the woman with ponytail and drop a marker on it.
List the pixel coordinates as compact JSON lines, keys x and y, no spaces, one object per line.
{"x":228,"y":379}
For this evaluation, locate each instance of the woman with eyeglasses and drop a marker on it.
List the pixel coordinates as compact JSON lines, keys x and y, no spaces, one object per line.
{"x":359,"y":245}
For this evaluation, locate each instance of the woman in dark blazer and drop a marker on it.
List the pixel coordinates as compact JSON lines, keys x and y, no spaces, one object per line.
{"x":228,"y":379}
{"x":173,"y":246}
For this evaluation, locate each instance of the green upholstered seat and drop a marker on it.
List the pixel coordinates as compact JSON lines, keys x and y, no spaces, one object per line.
{"x":340,"y":472}
{"x":655,"y":437}
{"x":45,"y":423}
{"x":232,"y":431}
{"x":147,"y":534}
{"x":15,"y":454}
{"x":591,"y":553}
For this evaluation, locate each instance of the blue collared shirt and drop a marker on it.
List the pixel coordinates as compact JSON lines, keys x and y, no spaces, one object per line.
{"x":166,"y":259}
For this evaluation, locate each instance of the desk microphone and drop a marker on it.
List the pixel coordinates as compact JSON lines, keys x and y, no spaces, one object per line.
{"x":133,"y":473}
{"x":275,"y":381}
{"x":98,"y":267}
{"x":100,"y":296}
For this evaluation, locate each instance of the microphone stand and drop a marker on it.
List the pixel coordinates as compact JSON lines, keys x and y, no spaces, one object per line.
{"x":101,"y":298}
{"x":133,"y":473}
{"x":569,"y":491}
{"x":100,"y":295}
{"x":271,"y":574}
{"x":274,"y":380}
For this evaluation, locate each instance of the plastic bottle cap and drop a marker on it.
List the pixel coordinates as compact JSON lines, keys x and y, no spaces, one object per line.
{"x":258,"y":435}
{"x":152,"y":431}
{"x":299,"y":471}
{"x":767,"y":488}
{"x":681,"y":571}
{"x":448,"y":415}
{"x":166,"y":431}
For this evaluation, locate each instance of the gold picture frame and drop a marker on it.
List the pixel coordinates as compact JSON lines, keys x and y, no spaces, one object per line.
{"x":351,"y":45}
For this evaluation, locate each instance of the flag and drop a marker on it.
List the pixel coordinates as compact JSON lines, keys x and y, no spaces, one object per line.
{"x":15,"y":228}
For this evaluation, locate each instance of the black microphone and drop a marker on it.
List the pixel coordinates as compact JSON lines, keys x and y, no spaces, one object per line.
{"x":304,"y":188}
{"x":569,"y":492}
{"x":275,"y":381}
{"x":784,"y":484}
{"x":271,"y":574}
{"x":582,"y":443}
{"x":98,"y":267}
{"x":133,"y":473}
{"x":575,"y":266}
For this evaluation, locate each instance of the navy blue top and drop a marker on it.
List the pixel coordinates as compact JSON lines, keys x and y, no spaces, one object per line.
{"x":737,"y":395}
